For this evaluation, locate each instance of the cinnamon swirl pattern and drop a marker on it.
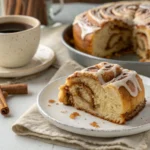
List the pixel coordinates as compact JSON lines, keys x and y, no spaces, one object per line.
{"x":107,"y":29}
{"x":105,"y":90}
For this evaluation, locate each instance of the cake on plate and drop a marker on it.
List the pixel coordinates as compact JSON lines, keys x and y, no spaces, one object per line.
{"x":105,"y":90}
{"x":113,"y":27}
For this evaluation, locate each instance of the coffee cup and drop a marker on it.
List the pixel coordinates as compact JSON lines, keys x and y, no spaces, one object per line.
{"x":19,"y":40}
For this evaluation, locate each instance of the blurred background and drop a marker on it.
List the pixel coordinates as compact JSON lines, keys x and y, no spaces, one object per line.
{"x":49,"y":11}
{"x":86,"y":1}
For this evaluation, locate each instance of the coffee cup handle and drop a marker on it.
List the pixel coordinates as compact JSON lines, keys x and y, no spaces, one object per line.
{"x":60,"y":7}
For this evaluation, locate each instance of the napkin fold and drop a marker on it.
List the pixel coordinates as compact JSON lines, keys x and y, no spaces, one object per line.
{"x":32,"y":123}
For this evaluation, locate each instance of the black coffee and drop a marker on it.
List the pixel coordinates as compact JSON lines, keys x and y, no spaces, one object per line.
{"x":11,"y":27}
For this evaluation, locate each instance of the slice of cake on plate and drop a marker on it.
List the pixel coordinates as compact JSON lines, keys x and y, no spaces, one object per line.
{"x":105,"y":90}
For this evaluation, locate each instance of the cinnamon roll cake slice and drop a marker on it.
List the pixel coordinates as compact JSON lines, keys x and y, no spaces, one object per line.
{"x":105,"y":90}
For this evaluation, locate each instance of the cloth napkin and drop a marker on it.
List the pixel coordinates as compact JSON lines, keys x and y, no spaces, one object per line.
{"x":51,"y":37}
{"x":32,"y":123}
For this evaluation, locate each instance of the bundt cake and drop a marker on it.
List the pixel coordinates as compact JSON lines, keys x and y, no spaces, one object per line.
{"x":105,"y":90}
{"x":113,"y":27}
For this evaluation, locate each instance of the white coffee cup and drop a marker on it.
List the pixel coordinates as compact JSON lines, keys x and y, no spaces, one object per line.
{"x":18,"y":48}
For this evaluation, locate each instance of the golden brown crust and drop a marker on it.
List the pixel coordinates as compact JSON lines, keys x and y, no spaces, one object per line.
{"x":109,"y":74}
{"x":148,"y":54}
{"x":88,"y":82}
{"x":64,"y":95}
{"x":130,"y":115}
{"x":82,"y":45}
{"x":129,"y":102}
{"x":87,"y":43}
{"x":80,"y":74}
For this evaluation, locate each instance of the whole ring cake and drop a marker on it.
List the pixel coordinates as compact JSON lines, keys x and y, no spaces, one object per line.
{"x":105,"y":90}
{"x":113,"y":27}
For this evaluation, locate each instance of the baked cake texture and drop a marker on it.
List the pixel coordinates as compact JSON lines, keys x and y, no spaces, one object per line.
{"x":113,"y":27}
{"x":105,"y":90}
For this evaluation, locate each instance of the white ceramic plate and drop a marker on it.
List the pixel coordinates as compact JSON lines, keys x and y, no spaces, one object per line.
{"x":58,"y":114}
{"x":43,"y":58}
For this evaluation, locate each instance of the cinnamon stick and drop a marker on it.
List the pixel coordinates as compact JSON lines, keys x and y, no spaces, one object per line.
{"x":3,"y":105}
{"x":44,"y":13}
{"x":5,"y":94}
{"x":24,"y":7}
{"x":30,"y":7}
{"x":15,"y":88}
{"x":11,"y":7}
{"x":35,"y":9}
{"x":6,"y":6}
{"x":18,"y":7}
{"x":38,"y":13}
{"x":40,"y":16}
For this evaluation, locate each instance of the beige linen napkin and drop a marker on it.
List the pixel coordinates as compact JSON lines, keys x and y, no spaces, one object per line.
{"x":32,"y":123}
{"x":51,"y":37}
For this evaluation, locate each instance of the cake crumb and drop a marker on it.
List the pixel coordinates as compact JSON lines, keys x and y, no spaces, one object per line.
{"x":64,"y":111}
{"x":94,"y":124}
{"x":51,"y":101}
{"x":57,"y":103}
{"x":49,"y":105}
{"x":74,"y":115}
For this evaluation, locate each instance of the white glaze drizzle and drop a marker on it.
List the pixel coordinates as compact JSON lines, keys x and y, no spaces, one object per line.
{"x":145,"y":6}
{"x":102,"y":70}
{"x":133,"y":7}
{"x":96,"y":16}
{"x":130,"y":76}
{"x":125,"y":12}
{"x":112,"y":68}
{"x":99,"y":75}
{"x":143,"y":18}
{"x":120,"y":80}
{"x":85,"y":27}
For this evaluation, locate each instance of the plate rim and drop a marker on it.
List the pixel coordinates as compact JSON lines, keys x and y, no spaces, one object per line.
{"x":145,"y":127}
{"x":70,"y":48}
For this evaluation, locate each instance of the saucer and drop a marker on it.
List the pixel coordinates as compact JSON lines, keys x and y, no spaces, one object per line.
{"x":43,"y":58}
